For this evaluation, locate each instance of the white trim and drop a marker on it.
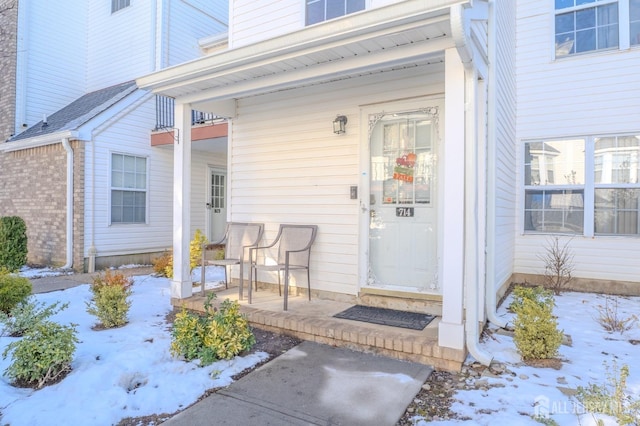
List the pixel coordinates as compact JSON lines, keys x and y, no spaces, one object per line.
{"x":49,"y":139}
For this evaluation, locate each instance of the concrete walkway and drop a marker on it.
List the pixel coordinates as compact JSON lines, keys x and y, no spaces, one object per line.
{"x":314,"y":384}
{"x":311,"y":384}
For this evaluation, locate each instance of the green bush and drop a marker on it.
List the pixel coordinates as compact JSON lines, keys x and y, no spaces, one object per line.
{"x":42,"y":356}
{"x":219,"y":334}
{"x":13,"y":243}
{"x":13,"y":290}
{"x":110,"y":302}
{"x":26,"y":314}
{"x":195,"y":254}
{"x":536,"y":332}
{"x":611,"y":398}
{"x":538,"y":294}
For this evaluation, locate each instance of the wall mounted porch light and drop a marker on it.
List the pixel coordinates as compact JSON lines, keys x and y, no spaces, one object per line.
{"x":339,"y":124}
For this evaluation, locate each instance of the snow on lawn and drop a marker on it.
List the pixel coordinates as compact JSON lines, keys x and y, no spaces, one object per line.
{"x":513,"y":399}
{"x":116,"y":373}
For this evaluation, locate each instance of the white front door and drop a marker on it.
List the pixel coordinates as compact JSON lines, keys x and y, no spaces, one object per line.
{"x":217,"y":204}
{"x":402,"y":211}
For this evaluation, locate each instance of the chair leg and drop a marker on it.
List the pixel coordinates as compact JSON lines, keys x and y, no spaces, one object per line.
{"x":226,"y":280}
{"x":309,"y":284}
{"x":286,"y":286}
{"x":279,"y":291}
{"x":253,"y":274}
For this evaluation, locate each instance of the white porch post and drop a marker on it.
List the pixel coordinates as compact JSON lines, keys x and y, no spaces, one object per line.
{"x":181,"y":285}
{"x":451,"y":328}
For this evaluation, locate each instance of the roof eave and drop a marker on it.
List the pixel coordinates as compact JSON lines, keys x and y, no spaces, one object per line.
{"x":38,"y":141}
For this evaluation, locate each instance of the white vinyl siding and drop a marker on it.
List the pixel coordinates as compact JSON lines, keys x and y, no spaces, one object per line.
{"x":275,"y":18}
{"x":286,"y":170}
{"x":502,"y":151}
{"x":578,"y":95}
{"x":50,"y":69}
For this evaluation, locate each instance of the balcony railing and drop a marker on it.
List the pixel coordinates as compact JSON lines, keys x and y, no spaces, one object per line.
{"x":165,"y":118}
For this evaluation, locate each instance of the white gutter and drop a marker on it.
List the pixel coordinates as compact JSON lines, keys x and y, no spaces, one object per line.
{"x":472,"y":317}
{"x":69,"y":150}
{"x":48,"y":139}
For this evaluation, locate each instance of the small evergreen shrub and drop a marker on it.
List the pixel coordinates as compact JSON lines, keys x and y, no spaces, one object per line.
{"x":538,"y":294}
{"x":13,"y":290}
{"x":42,"y":356}
{"x":219,"y":334}
{"x":611,"y":398}
{"x":26,"y":314}
{"x":195,"y":254}
{"x":110,"y":302}
{"x":13,"y":243}
{"x":536,"y":333}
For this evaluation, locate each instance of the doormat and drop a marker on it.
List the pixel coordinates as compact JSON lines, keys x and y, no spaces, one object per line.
{"x":390,"y":317}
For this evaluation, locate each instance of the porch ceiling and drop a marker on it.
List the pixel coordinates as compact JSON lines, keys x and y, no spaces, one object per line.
{"x":398,"y":36}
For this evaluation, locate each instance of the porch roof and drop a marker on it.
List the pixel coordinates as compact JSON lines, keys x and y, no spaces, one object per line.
{"x":401,"y":35}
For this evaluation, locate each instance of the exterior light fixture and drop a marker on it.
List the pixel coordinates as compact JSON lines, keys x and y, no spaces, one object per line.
{"x":339,"y":124}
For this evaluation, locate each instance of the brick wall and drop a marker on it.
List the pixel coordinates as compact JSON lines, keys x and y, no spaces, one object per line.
{"x":8,"y":32}
{"x":34,"y":187}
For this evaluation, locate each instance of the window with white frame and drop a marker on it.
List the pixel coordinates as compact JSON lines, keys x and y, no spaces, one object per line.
{"x":116,"y":5}
{"x":586,"y":186}
{"x":590,"y":25}
{"x":128,"y":189}
{"x":323,"y":10}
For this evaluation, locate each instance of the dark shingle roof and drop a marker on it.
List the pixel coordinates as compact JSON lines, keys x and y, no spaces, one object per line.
{"x":79,"y":111}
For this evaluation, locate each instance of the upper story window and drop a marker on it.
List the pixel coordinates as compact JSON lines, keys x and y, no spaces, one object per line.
{"x":116,"y":5}
{"x":323,"y":10}
{"x":586,"y":186}
{"x":128,"y":189}
{"x":589,"y":25}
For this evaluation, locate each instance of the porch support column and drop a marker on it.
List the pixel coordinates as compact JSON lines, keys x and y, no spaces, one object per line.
{"x":451,"y":328}
{"x":181,"y":287}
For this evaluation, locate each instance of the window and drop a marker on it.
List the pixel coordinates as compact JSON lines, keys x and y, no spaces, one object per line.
{"x":323,"y":10}
{"x":128,"y":189}
{"x":589,"y":25}
{"x":587,"y":186}
{"x":116,"y":5}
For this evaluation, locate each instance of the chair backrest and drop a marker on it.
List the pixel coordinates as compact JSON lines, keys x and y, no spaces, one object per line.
{"x":296,"y":237}
{"x":240,"y":235}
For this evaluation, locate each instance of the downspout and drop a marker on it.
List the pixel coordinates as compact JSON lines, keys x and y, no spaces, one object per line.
{"x":471,"y":284}
{"x":69,"y":151}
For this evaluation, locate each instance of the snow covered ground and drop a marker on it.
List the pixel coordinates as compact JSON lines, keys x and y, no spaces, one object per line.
{"x":129,"y":372}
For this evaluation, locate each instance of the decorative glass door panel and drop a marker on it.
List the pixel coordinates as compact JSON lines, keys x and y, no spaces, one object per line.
{"x":217,"y":207}
{"x":402,"y":211}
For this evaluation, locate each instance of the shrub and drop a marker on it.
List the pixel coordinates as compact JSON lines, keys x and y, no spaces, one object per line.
{"x":13,"y":243}
{"x":42,"y":356}
{"x":13,"y":290}
{"x":110,"y":302}
{"x":195,"y":254}
{"x":220,"y":334}
{"x":160,"y":264}
{"x":558,"y":265}
{"x":536,"y":332}
{"x":610,"y":319}
{"x":538,"y":294}
{"x":26,"y":314}
{"x":611,"y":398}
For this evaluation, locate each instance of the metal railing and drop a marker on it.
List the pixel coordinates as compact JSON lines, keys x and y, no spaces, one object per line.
{"x":165,"y":114}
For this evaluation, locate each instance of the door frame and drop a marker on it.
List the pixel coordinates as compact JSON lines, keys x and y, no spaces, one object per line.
{"x":369,"y":117}
{"x":219,"y":170}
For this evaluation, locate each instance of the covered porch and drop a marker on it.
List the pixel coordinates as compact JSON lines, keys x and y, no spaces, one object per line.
{"x":314,"y":321}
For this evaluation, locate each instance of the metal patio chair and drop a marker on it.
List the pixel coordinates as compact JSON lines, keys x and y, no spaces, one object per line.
{"x":237,"y":238}
{"x":294,"y":250}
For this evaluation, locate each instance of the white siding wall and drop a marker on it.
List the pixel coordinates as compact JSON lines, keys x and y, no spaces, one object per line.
{"x":288,"y":166}
{"x":130,"y":135}
{"x":256,"y":20}
{"x":504,"y":158}
{"x":582,"y":95}
{"x":51,"y":68}
{"x":190,"y":21}
{"x":121,"y":44}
